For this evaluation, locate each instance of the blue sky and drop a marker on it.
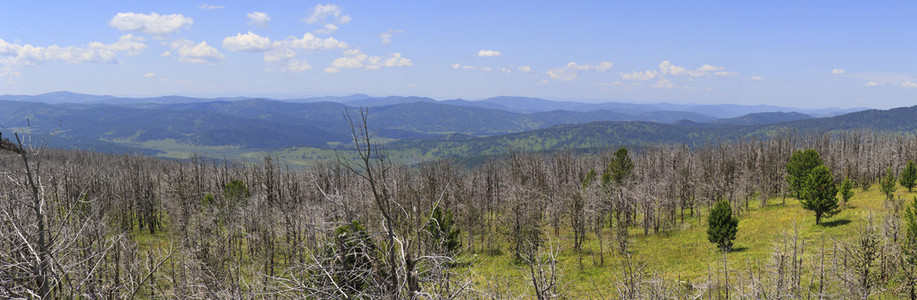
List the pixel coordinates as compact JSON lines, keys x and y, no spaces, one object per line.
{"x":793,"y":53}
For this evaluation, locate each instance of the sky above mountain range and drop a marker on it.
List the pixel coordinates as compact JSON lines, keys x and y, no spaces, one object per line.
{"x":794,"y":53}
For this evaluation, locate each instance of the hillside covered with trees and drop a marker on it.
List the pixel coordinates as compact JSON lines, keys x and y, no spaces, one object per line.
{"x":622,"y":224}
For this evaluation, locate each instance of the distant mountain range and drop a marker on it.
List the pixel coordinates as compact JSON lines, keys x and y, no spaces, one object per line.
{"x":512,"y":104}
{"x":240,"y":125}
{"x":636,"y":134}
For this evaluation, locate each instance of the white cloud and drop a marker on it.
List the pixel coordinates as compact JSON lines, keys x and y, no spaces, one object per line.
{"x":248,"y":42}
{"x":506,"y":70}
{"x":149,"y":75}
{"x":188,"y":51}
{"x":463,"y":67}
{"x":95,"y":52}
{"x":152,"y":23}
{"x":295,"y":66}
{"x":667,"y":68}
{"x":838,"y":71}
{"x":310,"y":42}
{"x":571,"y":71}
{"x":328,"y":29}
{"x":282,"y":54}
{"x":257,"y":18}
{"x":279,"y":54}
{"x":489,"y":53}
{"x":663,"y":84}
{"x":386,"y":37}
{"x":609,"y":84}
{"x":909,"y":84}
{"x":603,"y":66}
{"x":211,"y":7}
{"x":645,"y":75}
{"x":757,"y":78}
{"x":524,"y":69}
{"x":874,"y":83}
{"x":128,"y":43}
{"x":322,"y":11}
{"x":356,"y":59}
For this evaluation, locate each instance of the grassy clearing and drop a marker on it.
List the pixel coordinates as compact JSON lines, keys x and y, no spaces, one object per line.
{"x":681,"y":254}
{"x":684,"y":254}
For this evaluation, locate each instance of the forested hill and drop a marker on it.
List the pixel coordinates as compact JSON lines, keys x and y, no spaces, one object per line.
{"x":764,"y":118}
{"x":635,"y":134}
{"x":243,"y":127}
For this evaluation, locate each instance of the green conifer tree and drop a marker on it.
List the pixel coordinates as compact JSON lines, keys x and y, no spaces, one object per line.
{"x":846,"y":190}
{"x":723,"y":226}
{"x":820,"y":194}
{"x":798,"y":167}
{"x":909,"y":176}
{"x":888,"y":184}
{"x":442,"y":228}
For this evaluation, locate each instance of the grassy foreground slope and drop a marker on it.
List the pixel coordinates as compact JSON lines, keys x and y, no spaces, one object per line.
{"x":685,"y":255}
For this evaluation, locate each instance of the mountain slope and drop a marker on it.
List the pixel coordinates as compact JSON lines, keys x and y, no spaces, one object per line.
{"x":764,"y":118}
{"x":636,"y":134}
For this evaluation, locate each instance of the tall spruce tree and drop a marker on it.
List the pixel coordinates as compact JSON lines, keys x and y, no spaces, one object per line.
{"x":798,"y":167}
{"x":909,"y":176}
{"x":619,"y":169}
{"x":442,"y":229}
{"x":820,"y":194}
{"x":846,"y":190}
{"x":888,"y":184}
{"x":723,"y":226}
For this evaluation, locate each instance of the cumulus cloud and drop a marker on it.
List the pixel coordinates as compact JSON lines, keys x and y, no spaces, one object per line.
{"x":909,"y":84}
{"x":489,"y":53}
{"x":667,"y":68}
{"x":153,"y":23}
{"x":295,"y":66}
{"x":669,"y":72}
{"x":323,"y":11}
{"x":386,"y":37}
{"x":356,"y":59}
{"x":757,"y":78}
{"x":873,"y":83}
{"x":257,"y":18}
{"x":282,"y":54}
{"x":279,"y":54}
{"x":211,"y":7}
{"x":310,"y":42}
{"x":571,"y":71}
{"x":12,"y":54}
{"x":128,"y":43}
{"x":645,"y":75}
{"x":328,"y":29}
{"x":188,"y":51}
{"x":524,"y":69}
{"x":149,"y":75}
{"x":838,"y":71}
{"x":506,"y":70}
{"x":248,"y":42}
{"x":664,"y":84}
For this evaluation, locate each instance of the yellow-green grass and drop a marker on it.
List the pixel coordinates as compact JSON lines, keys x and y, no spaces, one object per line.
{"x":684,"y":254}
